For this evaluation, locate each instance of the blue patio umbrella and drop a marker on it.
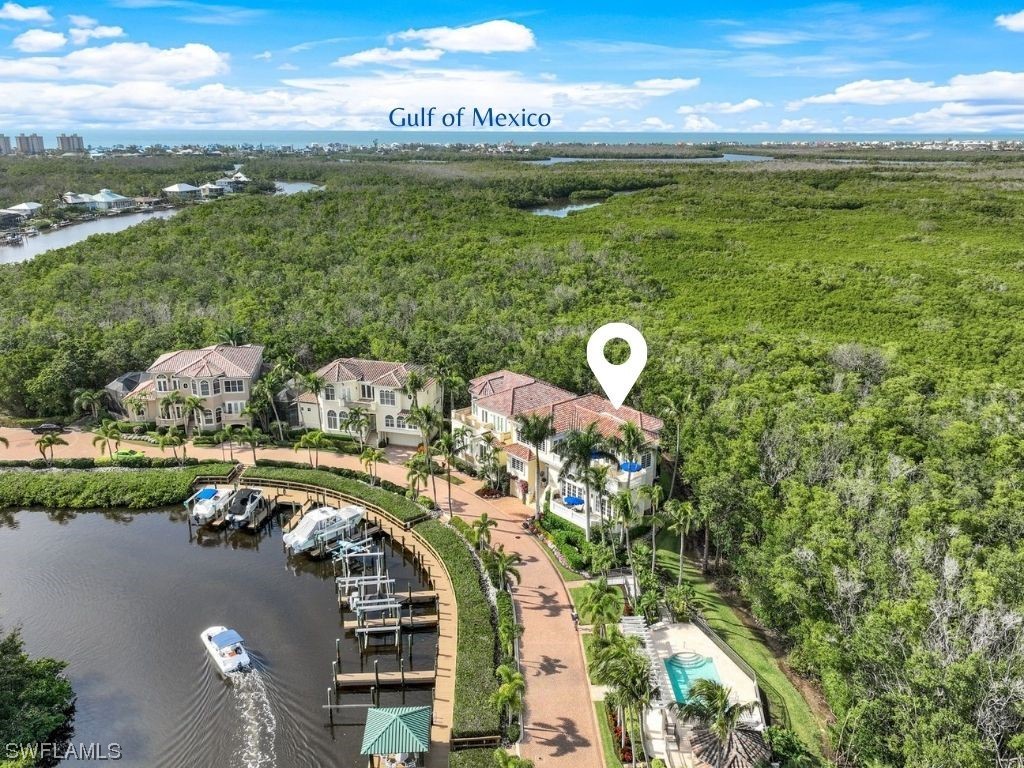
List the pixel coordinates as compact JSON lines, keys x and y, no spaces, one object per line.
{"x":573,"y":501}
{"x":630,"y":466}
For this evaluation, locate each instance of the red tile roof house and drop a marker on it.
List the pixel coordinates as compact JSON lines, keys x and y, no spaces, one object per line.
{"x":375,"y":386}
{"x":221,"y":375}
{"x":500,"y":398}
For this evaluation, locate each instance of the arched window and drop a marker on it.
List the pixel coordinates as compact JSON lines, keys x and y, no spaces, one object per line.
{"x":204,"y":388}
{"x":332,"y":420}
{"x":207,"y":417}
{"x":401,"y":422}
{"x":329,"y":392}
{"x":389,"y":421}
{"x":219,"y":415}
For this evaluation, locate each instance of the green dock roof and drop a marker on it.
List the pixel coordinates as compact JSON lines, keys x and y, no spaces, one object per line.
{"x":390,"y":730}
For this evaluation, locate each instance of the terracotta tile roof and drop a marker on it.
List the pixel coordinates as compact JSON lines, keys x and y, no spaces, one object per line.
{"x":499,"y":381}
{"x":307,"y":397}
{"x":581,"y":411}
{"x":511,"y":394}
{"x":379,"y":372}
{"x":208,"y":362}
{"x":142,"y":387}
{"x":519,"y":451}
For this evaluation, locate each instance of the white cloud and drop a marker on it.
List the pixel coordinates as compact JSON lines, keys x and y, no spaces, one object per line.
{"x":759,"y":39}
{"x":36,"y":14}
{"x":722,"y":107}
{"x":389,"y":56}
{"x":656,"y":123}
{"x":119,"y":62}
{"x":803,"y":125}
{"x":265,"y":56}
{"x":1011,"y":21}
{"x":668,"y":85}
{"x":82,"y":21}
{"x":82,"y":35}
{"x":288,"y":67}
{"x":489,"y":37}
{"x":699,"y":123}
{"x":39,"y":41}
{"x":986,"y":85}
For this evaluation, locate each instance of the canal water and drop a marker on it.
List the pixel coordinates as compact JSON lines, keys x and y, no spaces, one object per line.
{"x":123,"y":597}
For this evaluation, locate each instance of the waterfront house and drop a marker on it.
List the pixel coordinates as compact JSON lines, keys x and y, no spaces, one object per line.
{"x":210,"y":191}
{"x":228,"y":185}
{"x":106,"y":200}
{"x":221,"y":375}
{"x":376,"y":387}
{"x":24,"y":210}
{"x":76,"y":200}
{"x":181,"y":192}
{"x":500,"y":399}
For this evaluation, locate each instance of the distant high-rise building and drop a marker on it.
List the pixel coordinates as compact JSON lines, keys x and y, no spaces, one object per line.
{"x":31,"y":144}
{"x":5,"y":145}
{"x":72,"y":143}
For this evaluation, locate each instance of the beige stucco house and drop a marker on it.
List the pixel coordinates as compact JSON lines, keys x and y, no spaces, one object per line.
{"x":221,"y":375}
{"x":499,"y":399}
{"x":375,"y":386}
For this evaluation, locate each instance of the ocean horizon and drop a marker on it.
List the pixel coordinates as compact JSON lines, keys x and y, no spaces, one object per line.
{"x":304,"y":138}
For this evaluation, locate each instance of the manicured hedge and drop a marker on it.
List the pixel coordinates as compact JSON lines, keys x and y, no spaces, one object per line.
{"x":138,"y":462}
{"x":472,"y":758}
{"x":506,"y":623}
{"x":84,"y":489}
{"x":569,"y":538}
{"x":475,"y":682}
{"x":342,"y":481}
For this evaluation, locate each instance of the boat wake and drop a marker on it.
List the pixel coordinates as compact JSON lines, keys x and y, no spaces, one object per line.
{"x":258,"y":724}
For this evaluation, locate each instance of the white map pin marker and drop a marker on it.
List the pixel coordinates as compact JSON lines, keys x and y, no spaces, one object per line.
{"x":617,"y":380}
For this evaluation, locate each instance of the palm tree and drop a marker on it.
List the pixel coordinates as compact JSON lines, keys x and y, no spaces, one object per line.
{"x":253,"y":437}
{"x":654,"y":494}
{"x":708,"y":704}
{"x":704,"y":518}
{"x":192,"y":408}
{"x":630,"y":444}
{"x":417,"y":474}
{"x":509,"y":695}
{"x":312,"y":442}
{"x":414,"y":382}
{"x":487,"y":461}
{"x":503,"y":566}
{"x":602,"y":558}
{"x":625,"y":514}
{"x":673,"y":409}
{"x":369,"y":458}
{"x":577,"y":450}
{"x":597,"y":475}
{"x":172,"y":438}
{"x":358,"y":421}
{"x":134,"y":405}
{"x":107,"y":433}
{"x":448,"y":446}
{"x":226,"y":435}
{"x":169,"y":405}
{"x":600,"y":605}
{"x":231,"y":334}
{"x":482,"y":528}
{"x":534,"y":429}
{"x":315,"y":384}
{"x":89,"y":400}
{"x":503,"y":759}
{"x":265,"y":391}
{"x":47,"y":443}
{"x":426,"y":418}
{"x":680,"y":516}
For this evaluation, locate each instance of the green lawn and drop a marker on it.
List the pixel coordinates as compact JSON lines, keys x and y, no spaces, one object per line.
{"x":782,"y":694}
{"x":611,"y":754}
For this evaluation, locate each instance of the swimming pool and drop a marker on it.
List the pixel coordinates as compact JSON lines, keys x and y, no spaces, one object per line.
{"x":686,"y":668}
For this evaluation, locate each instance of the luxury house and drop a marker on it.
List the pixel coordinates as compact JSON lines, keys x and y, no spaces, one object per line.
{"x":500,"y":399}
{"x":221,"y":376}
{"x":377,"y":388}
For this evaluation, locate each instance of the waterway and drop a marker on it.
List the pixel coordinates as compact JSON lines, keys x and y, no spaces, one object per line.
{"x":65,"y":236}
{"x":123,"y":597}
{"x":561,"y":210}
{"x":726,"y":157}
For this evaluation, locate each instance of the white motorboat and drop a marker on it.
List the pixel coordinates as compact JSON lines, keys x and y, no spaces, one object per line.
{"x":226,"y":648}
{"x":323,"y":525}
{"x":243,"y":507}
{"x":206,"y":504}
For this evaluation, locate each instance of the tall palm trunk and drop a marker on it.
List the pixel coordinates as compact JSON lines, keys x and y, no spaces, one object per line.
{"x":536,"y":484}
{"x":675,"y":461}
{"x":707,"y":545}
{"x":682,"y":548}
{"x":654,"y":544}
{"x":586,"y":507}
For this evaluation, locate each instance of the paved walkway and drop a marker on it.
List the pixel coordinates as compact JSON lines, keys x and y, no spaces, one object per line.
{"x":561,"y":726}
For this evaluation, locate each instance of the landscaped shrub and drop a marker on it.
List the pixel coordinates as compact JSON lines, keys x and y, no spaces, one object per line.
{"x":83,"y":489}
{"x":472,"y":758}
{"x":506,"y":628}
{"x":41,"y":464}
{"x":568,"y":538}
{"x":344,"y":481}
{"x":475,"y":681}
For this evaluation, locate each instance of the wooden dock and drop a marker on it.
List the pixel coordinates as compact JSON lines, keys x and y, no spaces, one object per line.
{"x":407,"y":679}
{"x":406,"y":624}
{"x":402,"y":599}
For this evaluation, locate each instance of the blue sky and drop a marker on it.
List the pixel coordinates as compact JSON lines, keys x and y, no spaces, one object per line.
{"x":834,"y":67}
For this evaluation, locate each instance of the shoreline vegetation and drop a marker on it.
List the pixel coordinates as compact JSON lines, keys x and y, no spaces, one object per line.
{"x":839,"y":342}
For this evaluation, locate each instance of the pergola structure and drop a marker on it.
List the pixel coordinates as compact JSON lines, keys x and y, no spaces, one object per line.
{"x":396,"y":737}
